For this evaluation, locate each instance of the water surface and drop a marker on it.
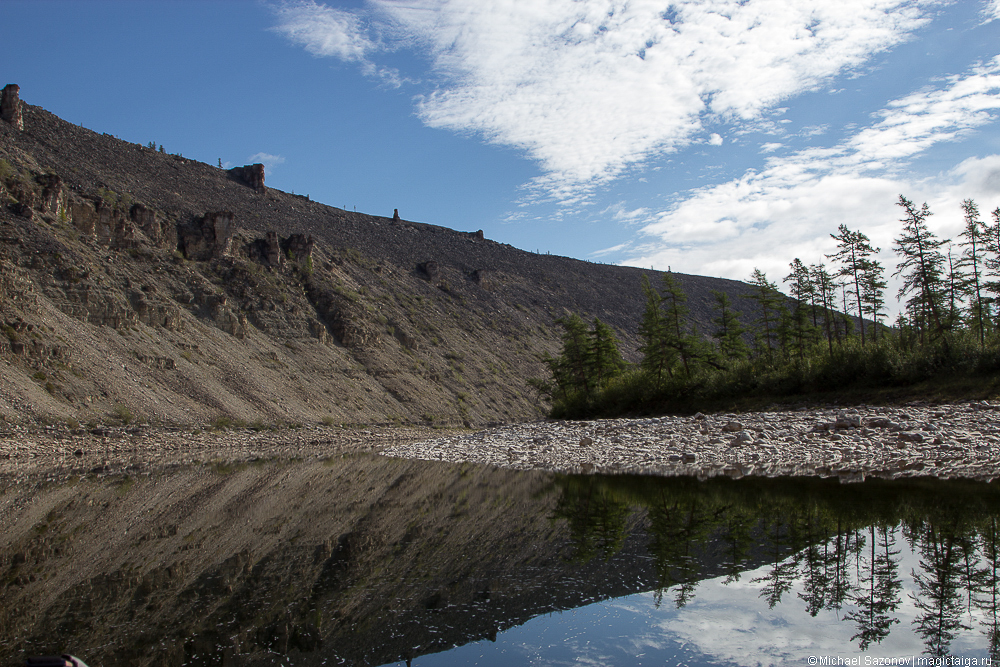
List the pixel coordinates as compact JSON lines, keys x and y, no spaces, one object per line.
{"x":369,"y":561}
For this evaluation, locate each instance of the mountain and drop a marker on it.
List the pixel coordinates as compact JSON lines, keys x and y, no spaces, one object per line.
{"x":140,"y":285}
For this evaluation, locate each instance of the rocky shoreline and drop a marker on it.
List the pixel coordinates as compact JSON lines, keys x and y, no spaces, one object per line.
{"x":946,"y":441}
{"x":56,"y":450}
{"x":960,"y":440}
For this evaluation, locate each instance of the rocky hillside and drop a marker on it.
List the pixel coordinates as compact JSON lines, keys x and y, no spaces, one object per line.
{"x":138,"y":285}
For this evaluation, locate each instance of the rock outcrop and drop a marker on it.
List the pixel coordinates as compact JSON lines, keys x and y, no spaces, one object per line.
{"x":252,"y":175}
{"x":300,"y":248}
{"x":209,"y":237}
{"x":10,"y":106}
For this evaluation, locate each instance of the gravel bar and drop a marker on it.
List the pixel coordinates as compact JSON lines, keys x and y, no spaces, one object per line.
{"x":959,"y":440}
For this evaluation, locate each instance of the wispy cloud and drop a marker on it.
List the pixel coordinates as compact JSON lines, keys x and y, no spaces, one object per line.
{"x":589,"y":88}
{"x":797,"y":200}
{"x":992,"y":10}
{"x":332,"y":32}
{"x":266,"y":159}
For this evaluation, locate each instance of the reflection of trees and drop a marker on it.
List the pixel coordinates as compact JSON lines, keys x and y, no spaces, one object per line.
{"x":816,"y":560}
{"x":677,"y":527}
{"x":838,"y":550}
{"x":597,"y":520}
{"x":781,"y":576}
{"x":938,"y":598}
{"x":738,"y":539}
{"x":838,"y":542}
{"x":878,"y":592}
{"x":987,"y":593}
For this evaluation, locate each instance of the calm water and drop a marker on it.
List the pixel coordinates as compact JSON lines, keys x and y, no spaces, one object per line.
{"x":369,"y":561}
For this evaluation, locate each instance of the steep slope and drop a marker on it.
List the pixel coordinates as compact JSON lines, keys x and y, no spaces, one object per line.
{"x":145,"y":285}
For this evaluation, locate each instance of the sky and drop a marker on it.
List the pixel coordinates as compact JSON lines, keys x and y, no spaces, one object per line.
{"x":709,"y":137}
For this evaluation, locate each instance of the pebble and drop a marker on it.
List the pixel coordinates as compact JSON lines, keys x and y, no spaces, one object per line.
{"x":954,"y":441}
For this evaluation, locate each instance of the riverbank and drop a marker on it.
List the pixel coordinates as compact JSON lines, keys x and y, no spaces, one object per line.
{"x":959,"y":440}
{"x":56,"y":449}
{"x":947,"y":441}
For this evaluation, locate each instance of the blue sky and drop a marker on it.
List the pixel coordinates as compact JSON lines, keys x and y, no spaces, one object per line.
{"x":711,"y":137}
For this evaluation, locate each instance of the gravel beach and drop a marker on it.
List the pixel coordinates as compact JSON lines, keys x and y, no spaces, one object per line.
{"x":959,"y":440}
{"x":946,"y":441}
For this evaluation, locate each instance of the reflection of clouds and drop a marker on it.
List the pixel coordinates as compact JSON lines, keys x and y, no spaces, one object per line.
{"x":722,"y":625}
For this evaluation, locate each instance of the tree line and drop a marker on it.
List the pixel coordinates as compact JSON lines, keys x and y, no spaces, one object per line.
{"x":828,"y":332}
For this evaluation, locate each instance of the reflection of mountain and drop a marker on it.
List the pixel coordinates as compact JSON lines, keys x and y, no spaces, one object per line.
{"x":368,"y":560}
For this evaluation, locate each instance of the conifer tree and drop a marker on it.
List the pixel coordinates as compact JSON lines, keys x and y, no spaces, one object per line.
{"x":605,"y":360}
{"x":675,"y":313}
{"x":771,"y":304}
{"x":975,"y":236}
{"x":729,"y":331}
{"x":658,"y":358}
{"x":854,"y":252}
{"x":873,"y":287}
{"x":922,"y":266}
{"x":801,"y":331}
{"x":991,"y":262}
{"x":571,"y":369}
{"x":825,"y":290}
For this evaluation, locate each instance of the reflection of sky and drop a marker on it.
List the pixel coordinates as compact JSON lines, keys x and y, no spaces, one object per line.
{"x":724,"y":624}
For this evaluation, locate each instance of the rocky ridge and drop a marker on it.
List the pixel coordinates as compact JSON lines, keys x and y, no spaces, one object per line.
{"x":950,"y":441}
{"x":137,"y":285}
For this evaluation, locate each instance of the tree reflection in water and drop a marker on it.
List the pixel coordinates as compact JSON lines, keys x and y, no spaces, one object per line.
{"x":840,"y":543}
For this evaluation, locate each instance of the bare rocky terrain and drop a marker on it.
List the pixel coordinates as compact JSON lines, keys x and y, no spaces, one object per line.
{"x":140,"y":286}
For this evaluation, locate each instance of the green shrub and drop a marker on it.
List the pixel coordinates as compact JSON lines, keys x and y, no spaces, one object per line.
{"x":122,"y":413}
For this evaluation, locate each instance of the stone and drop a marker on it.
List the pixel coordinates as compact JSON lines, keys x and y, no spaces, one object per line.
{"x":848,"y":420}
{"x":395,"y":215}
{"x":53,"y":197}
{"x":252,"y":175}
{"x":208,"y":238}
{"x":742,"y":439}
{"x":732,"y":427}
{"x":430,"y":269}
{"x":482,"y":277}
{"x":146,"y":221}
{"x":10,"y":106}
{"x":586,"y":441}
{"x":300,"y":247}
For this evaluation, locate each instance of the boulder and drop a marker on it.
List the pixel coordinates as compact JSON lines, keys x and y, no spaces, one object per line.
{"x":10,"y":106}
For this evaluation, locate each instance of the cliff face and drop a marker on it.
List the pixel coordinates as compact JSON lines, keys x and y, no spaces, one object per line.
{"x":148,"y":286}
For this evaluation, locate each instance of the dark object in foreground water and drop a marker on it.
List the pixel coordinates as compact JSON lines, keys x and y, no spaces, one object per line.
{"x":64,"y":660}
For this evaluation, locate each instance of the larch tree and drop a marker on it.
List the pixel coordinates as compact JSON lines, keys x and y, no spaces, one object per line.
{"x":975,"y":236}
{"x":921,"y":266}
{"x":854,"y":252}
{"x":728,"y":330}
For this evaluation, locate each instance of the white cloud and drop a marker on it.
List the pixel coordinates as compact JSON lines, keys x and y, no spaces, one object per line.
{"x":591,"y":87}
{"x":267,"y":159}
{"x":770,"y":147}
{"x":324,"y":31}
{"x":715,"y":139}
{"x":765,"y":219}
{"x":992,"y":10}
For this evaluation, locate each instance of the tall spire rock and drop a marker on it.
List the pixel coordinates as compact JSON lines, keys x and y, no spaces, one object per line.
{"x":10,"y":106}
